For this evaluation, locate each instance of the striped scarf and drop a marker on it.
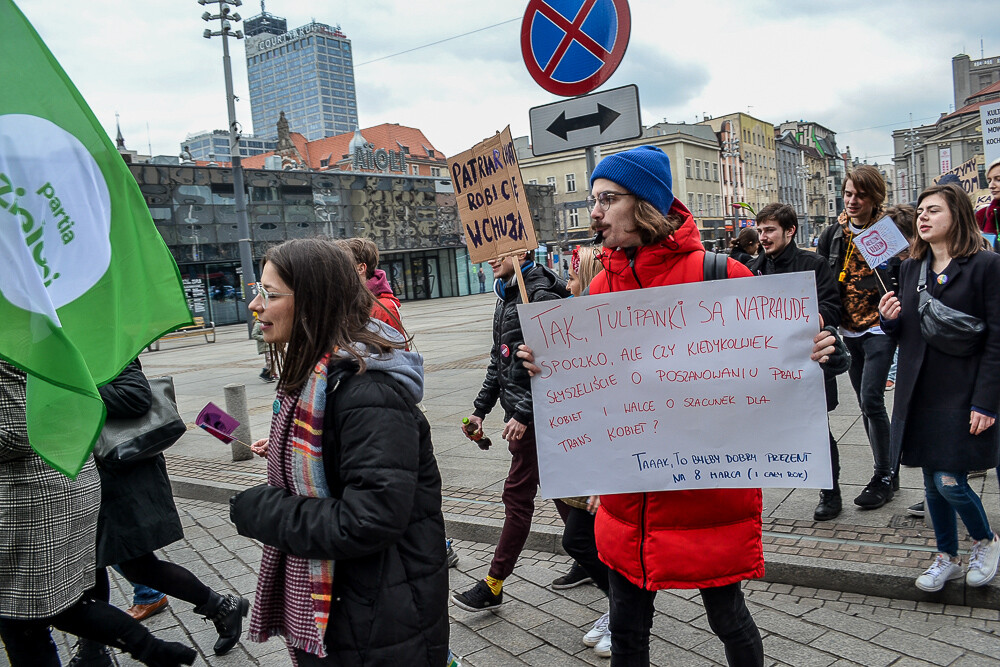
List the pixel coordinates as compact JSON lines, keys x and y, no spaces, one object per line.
{"x":293,"y":594}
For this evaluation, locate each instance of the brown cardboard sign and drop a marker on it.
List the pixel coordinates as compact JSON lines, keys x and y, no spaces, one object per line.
{"x":495,"y":217}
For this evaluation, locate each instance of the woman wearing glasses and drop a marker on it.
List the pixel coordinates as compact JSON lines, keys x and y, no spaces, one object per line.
{"x":353,"y":571}
{"x":944,"y":416}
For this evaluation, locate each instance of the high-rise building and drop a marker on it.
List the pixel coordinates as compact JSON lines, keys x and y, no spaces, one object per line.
{"x":307,"y":72}
{"x":214,"y":146}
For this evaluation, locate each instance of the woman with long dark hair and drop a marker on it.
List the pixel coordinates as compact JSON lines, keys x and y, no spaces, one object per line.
{"x":745,"y":246}
{"x":944,"y":417}
{"x":353,"y":571}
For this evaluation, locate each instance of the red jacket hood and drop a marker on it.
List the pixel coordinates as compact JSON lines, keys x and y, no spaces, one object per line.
{"x":379,"y":285}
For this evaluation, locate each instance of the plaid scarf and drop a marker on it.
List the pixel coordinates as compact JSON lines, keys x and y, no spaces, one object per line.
{"x":293,"y":594}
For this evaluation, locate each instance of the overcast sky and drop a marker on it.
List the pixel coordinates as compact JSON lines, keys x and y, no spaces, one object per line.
{"x":859,"y":68}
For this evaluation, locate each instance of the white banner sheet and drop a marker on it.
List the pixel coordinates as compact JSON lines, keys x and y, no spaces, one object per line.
{"x":701,"y":385}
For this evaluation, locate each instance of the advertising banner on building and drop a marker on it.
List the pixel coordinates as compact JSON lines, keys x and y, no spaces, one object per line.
{"x":495,"y":216}
{"x":989,"y":115}
{"x":944,"y":159}
{"x":665,"y":388}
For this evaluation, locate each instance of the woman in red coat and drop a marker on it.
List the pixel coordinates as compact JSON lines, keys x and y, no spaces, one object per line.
{"x":988,"y":218}
{"x":708,"y":539}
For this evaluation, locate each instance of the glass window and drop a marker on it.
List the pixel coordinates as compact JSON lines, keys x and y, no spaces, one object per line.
{"x":715,"y":172}
{"x":574,"y":218}
{"x":687,"y":167}
{"x":570,"y":182}
{"x":697,"y":169}
{"x":551,"y":180}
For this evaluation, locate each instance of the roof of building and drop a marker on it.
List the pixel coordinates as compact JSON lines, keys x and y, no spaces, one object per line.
{"x":331,"y":150}
{"x":704,"y":132}
{"x":987,"y":95}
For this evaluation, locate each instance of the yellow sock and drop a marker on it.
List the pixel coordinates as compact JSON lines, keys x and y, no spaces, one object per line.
{"x":496,"y":585}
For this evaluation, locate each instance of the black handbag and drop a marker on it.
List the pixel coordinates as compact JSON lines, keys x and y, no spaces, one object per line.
{"x":946,"y":329}
{"x":126,"y":441}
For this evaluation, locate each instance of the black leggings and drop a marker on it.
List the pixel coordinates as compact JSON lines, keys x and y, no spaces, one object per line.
{"x":162,"y":575}
{"x":29,"y":642}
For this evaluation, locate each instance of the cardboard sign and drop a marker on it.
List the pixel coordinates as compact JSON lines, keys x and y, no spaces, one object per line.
{"x":989,"y":116}
{"x":495,"y":217}
{"x":701,"y":385}
{"x":881,"y":242}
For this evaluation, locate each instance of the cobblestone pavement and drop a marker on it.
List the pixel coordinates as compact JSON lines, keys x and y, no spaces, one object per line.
{"x":537,"y":626}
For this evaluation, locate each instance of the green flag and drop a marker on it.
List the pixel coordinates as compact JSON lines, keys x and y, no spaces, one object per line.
{"x":87,"y":281}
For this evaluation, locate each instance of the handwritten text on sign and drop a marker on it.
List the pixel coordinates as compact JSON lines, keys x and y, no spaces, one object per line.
{"x":701,"y":385}
{"x":491,"y":202}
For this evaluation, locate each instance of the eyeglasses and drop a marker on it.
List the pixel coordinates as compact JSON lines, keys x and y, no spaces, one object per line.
{"x":258,"y":290}
{"x":605,"y":199}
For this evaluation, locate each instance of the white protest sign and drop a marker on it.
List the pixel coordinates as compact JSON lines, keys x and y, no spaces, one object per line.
{"x":701,"y":385}
{"x":989,"y":116}
{"x":881,"y":242}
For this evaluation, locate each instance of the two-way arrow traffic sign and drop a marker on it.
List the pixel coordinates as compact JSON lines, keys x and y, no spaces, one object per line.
{"x":588,"y":120}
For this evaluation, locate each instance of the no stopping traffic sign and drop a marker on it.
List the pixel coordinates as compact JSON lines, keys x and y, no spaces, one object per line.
{"x":571,"y":47}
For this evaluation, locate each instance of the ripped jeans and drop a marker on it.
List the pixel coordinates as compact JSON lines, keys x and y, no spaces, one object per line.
{"x":946,"y":494}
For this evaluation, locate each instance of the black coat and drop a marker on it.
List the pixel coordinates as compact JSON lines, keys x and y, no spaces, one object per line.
{"x":138,"y":515}
{"x":741,"y":256}
{"x":792,"y":259}
{"x":383,"y":525}
{"x":506,"y":377}
{"x":935,"y":392}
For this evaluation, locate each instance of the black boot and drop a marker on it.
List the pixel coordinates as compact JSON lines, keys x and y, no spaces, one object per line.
{"x":227,"y":612}
{"x":830,"y":505}
{"x":91,"y":654}
{"x":877,"y":493}
{"x":158,"y":653}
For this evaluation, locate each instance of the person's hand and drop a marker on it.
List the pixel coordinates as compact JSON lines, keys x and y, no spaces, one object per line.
{"x":513,"y":430}
{"x":259,"y":447}
{"x":527,"y":358}
{"x":824,"y":344}
{"x":474,"y":421}
{"x":593,"y":503}
{"x":888,"y":306}
{"x":978,"y":422}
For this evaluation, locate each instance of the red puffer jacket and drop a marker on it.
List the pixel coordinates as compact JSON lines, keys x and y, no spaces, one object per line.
{"x":677,"y":539}
{"x":987,"y":218}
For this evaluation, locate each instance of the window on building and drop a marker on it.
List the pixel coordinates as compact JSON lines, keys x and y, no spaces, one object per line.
{"x":551,"y":180}
{"x":715,"y":172}
{"x":697,"y":169}
{"x":701,"y":204}
{"x":533,"y":181}
{"x":687,"y":166}
{"x":574,"y":218}
{"x":435,"y":172}
{"x":415,"y":169}
{"x":570,"y":182}
{"x":718,"y":205}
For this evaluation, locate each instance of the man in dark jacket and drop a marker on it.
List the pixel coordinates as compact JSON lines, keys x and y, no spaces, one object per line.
{"x":777,"y":224}
{"x":508,"y":381}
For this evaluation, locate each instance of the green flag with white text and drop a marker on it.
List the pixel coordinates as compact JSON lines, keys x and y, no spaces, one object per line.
{"x":87,"y":281}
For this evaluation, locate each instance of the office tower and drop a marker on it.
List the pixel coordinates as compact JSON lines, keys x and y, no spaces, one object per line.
{"x":307,"y":72}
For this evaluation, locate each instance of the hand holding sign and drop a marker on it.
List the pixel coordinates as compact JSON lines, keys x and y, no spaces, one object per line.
{"x":218,"y":423}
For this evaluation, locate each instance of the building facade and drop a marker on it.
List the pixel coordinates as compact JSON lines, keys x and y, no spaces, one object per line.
{"x":214,"y":146}
{"x":792,"y":179}
{"x":414,"y":222}
{"x":306,"y":72}
{"x":752,"y":160}
{"x":968,"y":76}
{"x":822,"y":141}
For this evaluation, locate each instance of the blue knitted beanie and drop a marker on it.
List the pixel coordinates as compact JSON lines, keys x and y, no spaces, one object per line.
{"x":643,"y":171}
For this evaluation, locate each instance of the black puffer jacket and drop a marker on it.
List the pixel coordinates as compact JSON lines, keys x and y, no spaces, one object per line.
{"x":383,"y":525}
{"x":792,"y":259}
{"x":506,"y":378}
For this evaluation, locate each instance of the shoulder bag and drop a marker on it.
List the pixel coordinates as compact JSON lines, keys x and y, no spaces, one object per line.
{"x":946,"y":329}
{"x":127,"y":441}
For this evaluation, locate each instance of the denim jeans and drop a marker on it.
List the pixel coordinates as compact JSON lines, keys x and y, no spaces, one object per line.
{"x":141,"y":594}
{"x":871,"y":357}
{"x":944,"y":499}
{"x":728,"y":616}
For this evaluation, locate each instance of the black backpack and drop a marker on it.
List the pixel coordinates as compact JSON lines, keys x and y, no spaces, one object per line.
{"x":715,"y":266}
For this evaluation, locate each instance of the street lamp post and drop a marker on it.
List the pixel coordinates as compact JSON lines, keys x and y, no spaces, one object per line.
{"x":226,"y":17}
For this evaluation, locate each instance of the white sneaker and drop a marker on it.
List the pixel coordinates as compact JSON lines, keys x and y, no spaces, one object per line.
{"x":983,"y":562}
{"x":603,"y":648}
{"x":939,"y":573}
{"x":596,"y":633}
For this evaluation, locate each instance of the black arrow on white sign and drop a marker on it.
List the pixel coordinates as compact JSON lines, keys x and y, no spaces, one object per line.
{"x":602,"y":118}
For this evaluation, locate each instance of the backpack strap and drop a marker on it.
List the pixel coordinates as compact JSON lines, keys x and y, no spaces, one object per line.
{"x":715,"y":266}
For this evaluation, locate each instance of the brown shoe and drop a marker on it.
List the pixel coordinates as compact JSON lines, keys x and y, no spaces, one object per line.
{"x":141,"y":612}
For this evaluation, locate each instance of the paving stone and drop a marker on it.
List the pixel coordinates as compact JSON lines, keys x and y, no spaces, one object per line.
{"x":854,"y":649}
{"x":918,"y":646}
{"x":512,"y":638}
